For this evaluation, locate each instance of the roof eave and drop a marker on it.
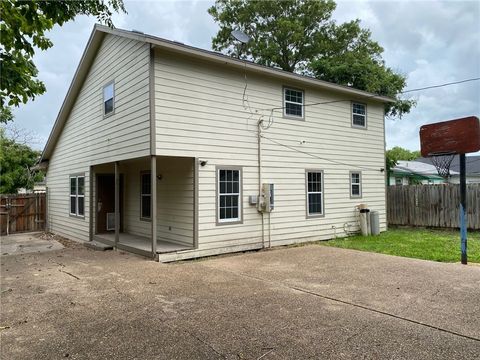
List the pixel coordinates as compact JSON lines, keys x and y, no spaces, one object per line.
{"x":228,"y":60}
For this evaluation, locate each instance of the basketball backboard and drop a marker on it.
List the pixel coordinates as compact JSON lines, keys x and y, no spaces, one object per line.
{"x":458,"y":136}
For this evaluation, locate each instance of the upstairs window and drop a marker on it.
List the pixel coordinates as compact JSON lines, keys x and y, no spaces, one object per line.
{"x":145,"y":196}
{"x":314,"y":193}
{"x":108,"y":98}
{"x":293,"y":103}
{"x":359,"y":115}
{"x":77,"y":195}
{"x":355,"y":184}
{"x":228,"y":193}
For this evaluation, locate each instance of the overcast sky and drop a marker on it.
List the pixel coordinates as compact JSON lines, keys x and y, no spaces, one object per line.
{"x":431,"y":42}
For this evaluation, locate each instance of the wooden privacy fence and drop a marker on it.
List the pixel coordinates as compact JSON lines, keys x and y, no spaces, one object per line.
{"x":432,"y":205}
{"x":22,"y":212}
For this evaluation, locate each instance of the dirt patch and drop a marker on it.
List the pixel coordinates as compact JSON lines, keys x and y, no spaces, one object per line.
{"x":64,"y":241}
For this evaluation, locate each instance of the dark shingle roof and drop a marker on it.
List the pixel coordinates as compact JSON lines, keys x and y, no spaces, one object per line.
{"x":472,"y":164}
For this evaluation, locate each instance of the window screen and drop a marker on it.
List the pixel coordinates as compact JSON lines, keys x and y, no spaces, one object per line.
{"x":315,"y":193}
{"x":359,"y":115}
{"x":228,"y":195}
{"x":108,"y":98}
{"x":146,"y":196}
{"x":293,"y":103}
{"x":355,"y":184}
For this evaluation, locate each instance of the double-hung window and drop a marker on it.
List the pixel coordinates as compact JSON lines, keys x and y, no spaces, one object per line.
{"x":229,"y":205}
{"x":145,"y":195}
{"x":108,"y":98}
{"x":314,"y":193}
{"x":355,"y":184}
{"x":293,"y":103}
{"x":359,"y":115}
{"x":77,"y":195}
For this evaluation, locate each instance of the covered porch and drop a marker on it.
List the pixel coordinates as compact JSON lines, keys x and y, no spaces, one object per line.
{"x":145,"y":206}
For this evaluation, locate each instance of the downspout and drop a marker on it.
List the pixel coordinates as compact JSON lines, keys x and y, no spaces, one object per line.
{"x":260,"y":199}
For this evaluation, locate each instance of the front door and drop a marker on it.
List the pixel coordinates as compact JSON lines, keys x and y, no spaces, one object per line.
{"x":106,"y":203}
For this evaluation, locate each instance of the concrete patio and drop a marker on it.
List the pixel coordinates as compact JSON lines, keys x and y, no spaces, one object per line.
{"x":294,"y":303}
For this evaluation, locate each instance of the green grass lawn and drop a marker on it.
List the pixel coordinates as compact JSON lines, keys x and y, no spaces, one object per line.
{"x":436,"y":245}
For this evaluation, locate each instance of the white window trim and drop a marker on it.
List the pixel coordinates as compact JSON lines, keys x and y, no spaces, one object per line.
{"x":364,"y":116}
{"x":113,"y":98}
{"x":285,"y":115}
{"x":353,"y":196}
{"x":76,"y":195}
{"x":239,"y":218}
{"x":142,"y":195}
{"x":321,"y":192}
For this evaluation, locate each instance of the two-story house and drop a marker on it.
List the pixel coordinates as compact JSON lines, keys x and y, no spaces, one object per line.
{"x":176,"y":152}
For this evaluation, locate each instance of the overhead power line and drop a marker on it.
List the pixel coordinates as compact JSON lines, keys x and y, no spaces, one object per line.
{"x":440,"y":85}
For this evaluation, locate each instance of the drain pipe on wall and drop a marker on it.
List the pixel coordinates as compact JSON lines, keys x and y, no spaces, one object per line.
{"x":260,"y":197}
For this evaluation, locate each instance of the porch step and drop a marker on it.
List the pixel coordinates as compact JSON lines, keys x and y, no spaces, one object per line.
{"x":95,"y":245}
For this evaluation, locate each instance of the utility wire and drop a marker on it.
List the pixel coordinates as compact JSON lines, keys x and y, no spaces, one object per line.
{"x":270,"y":119}
{"x":441,"y":85}
{"x":319,"y":157}
{"x":378,"y":95}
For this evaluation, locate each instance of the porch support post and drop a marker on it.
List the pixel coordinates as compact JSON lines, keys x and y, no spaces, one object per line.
{"x":117,"y":204}
{"x":153,"y":205}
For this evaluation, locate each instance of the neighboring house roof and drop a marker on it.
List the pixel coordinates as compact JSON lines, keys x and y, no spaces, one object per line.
{"x":472,"y":164}
{"x":417,"y":169}
{"x":99,"y":33}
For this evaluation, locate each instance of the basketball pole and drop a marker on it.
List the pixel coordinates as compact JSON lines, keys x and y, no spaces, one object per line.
{"x":463,"y":209}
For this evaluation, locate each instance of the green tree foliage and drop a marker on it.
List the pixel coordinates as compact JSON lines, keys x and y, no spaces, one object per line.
{"x":23,"y":27}
{"x":16,"y":161}
{"x":398,"y":153}
{"x":300,"y":36}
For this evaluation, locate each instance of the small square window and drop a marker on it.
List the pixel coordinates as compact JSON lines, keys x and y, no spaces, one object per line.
{"x":108,"y":98}
{"x":293,"y":103}
{"x":359,"y":115}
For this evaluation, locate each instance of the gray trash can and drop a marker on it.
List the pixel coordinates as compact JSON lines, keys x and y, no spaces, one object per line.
{"x":375,"y":222}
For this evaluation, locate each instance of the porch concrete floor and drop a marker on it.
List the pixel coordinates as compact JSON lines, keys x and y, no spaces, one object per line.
{"x":143,"y":243}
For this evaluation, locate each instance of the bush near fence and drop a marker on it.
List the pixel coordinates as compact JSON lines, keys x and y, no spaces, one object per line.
{"x":432,"y":205}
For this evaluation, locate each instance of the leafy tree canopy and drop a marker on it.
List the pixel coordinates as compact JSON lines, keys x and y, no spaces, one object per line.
{"x":16,"y":161}
{"x":23,"y":25}
{"x":398,"y":153}
{"x":300,"y":36}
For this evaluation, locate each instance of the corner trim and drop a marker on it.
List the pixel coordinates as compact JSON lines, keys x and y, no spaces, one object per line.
{"x":151,"y":92}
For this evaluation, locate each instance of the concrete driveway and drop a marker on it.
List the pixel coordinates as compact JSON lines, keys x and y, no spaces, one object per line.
{"x":24,"y":243}
{"x":297,"y":303}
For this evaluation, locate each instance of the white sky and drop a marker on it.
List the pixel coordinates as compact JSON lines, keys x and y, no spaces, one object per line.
{"x":431,"y":42}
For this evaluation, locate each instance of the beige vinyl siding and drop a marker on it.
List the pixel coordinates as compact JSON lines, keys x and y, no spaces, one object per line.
{"x":89,"y":138}
{"x":174,"y":199}
{"x":199,"y":112}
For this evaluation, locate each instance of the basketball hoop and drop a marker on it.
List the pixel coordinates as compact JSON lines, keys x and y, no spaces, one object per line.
{"x":442,"y":162}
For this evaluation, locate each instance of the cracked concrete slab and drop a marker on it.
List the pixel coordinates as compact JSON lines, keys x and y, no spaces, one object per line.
{"x":23,"y":243}
{"x":309,"y":302}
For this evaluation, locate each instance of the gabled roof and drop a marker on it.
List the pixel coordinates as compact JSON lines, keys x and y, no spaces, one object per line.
{"x":99,"y":32}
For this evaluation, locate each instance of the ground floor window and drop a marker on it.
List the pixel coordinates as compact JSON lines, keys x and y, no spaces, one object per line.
{"x":145,"y":195}
{"x":355,"y":184}
{"x":314,"y":193}
{"x":77,"y":195}
{"x":228,"y":195}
